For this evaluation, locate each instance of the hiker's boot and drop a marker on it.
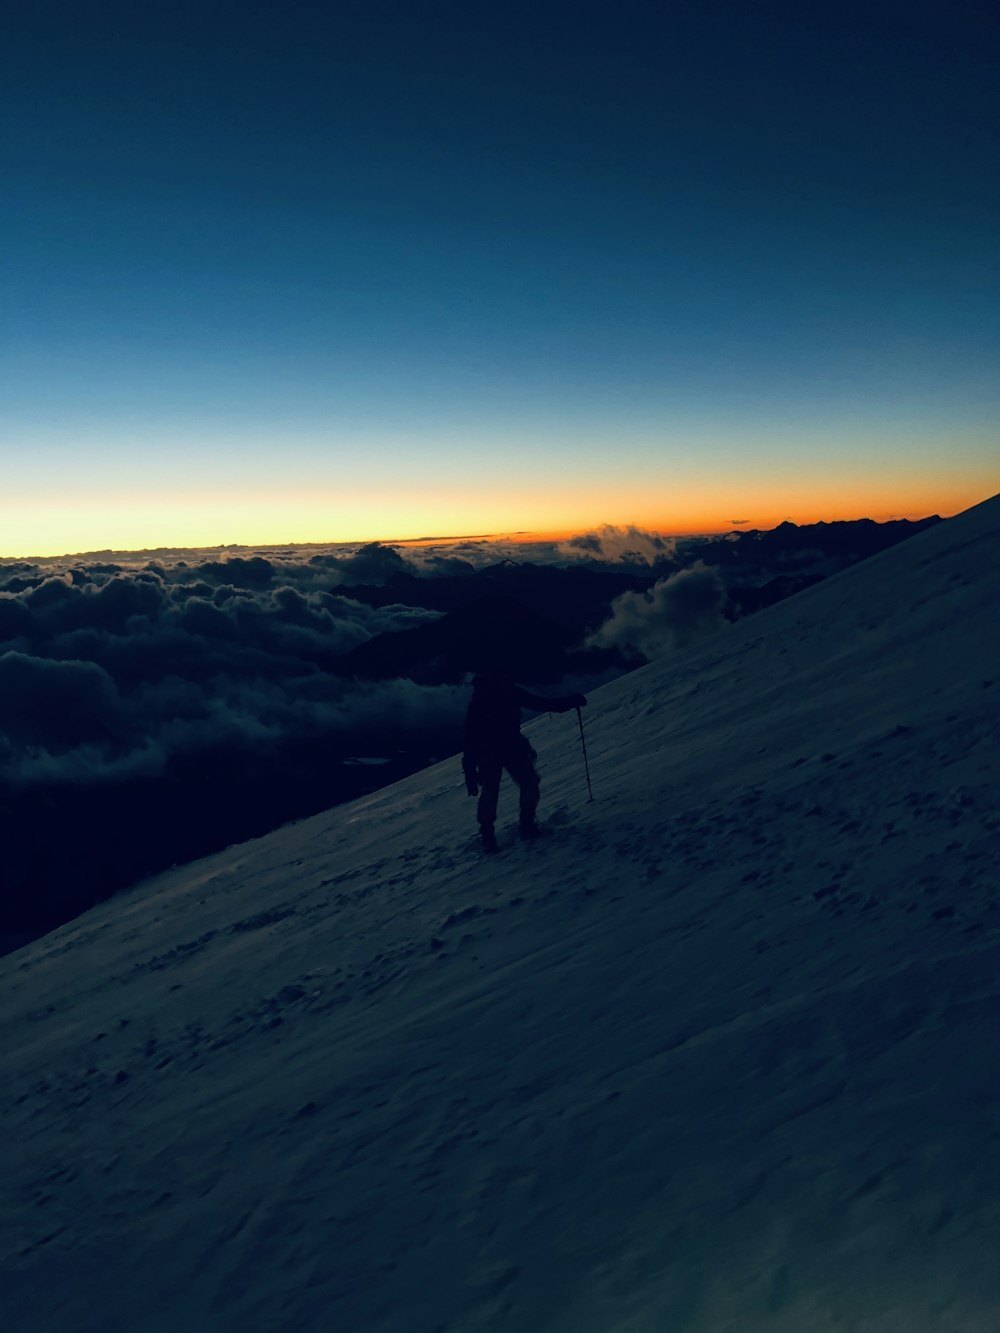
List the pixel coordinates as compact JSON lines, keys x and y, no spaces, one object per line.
{"x":529,"y":829}
{"x":489,"y":838}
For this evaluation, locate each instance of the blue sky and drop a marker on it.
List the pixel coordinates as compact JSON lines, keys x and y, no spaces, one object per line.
{"x":357,"y":266}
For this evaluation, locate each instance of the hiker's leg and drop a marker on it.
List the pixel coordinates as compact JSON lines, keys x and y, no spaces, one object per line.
{"x":521,"y":766}
{"x":490,"y":772}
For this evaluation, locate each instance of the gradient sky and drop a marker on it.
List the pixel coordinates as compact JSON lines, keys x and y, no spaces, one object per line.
{"x":337,"y":271}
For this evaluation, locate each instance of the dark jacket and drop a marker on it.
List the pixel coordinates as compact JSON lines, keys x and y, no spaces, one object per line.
{"x":493,"y":722}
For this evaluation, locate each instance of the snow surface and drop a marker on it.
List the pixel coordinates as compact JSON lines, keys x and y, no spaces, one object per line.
{"x":719,"y":1053}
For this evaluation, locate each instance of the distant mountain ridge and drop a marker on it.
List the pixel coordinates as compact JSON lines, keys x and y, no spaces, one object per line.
{"x":846,"y":540}
{"x":495,"y":632}
{"x":581,"y":590}
{"x":533,"y":619}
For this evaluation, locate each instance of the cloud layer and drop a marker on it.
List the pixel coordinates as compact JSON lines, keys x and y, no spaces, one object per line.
{"x":112,"y":663}
{"x":610,"y":545}
{"x":675,"y":611}
{"x":105,"y":669}
{"x":155,"y":707}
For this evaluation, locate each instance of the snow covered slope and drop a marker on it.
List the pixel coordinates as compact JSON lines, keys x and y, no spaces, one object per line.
{"x":720,"y":1053}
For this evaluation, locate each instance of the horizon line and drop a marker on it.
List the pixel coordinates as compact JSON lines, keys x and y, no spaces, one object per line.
{"x":522,"y":535}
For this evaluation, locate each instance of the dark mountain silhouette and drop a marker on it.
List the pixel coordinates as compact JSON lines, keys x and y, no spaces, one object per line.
{"x":576,"y":597}
{"x":746,"y":598}
{"x":530,"y":619}
{"x":497,"y":632}
{"x":843,"y":542}
{"x":77,"y":843}
{"x":759,"y":568}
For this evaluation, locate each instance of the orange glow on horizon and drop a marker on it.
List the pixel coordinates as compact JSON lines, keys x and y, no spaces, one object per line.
{"x":695,"y":522}
{"x":69,"y":525}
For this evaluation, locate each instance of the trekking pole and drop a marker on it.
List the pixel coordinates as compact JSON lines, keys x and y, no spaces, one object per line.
{"x":586,"y":766}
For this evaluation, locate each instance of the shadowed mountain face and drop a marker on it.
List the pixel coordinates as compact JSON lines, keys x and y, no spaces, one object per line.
{"x":839,"y":544}
{"x":578,"y":596}
{"x":575,"y":597}
{"x":87,"y":842}
{"x":494,"y":633}
{"x":487,"y":613}
{"x":151,"y":715}
{"x":711,"y":1054}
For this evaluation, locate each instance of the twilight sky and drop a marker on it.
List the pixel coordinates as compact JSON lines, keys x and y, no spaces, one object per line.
{"x":335,"y":271}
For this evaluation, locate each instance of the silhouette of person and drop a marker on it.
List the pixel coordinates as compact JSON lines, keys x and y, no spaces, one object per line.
{"x":493,"y":742}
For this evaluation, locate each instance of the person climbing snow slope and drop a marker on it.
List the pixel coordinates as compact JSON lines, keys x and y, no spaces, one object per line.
{"x":493,"y":742}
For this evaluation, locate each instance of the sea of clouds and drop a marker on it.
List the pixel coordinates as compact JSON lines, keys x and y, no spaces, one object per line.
{"x":111,"y":663}
{"x":157,"y":705}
